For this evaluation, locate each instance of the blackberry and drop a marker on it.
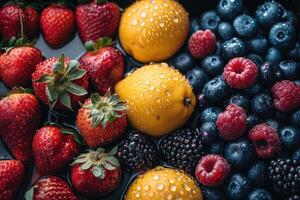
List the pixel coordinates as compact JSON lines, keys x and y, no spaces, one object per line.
{"x":293,"y":197}
{"x":137,"y":153}
{"x":183,"y":149}
{"x":285,"y":175}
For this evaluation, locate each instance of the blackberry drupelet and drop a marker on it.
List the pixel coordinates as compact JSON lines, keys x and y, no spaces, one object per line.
{"x":137,"y":153}
{"x":293,"y":197}
{"x":183,"y":149}
{"x":285,"y":175}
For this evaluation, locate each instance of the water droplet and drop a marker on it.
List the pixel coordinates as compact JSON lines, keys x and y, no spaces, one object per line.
{"x":155,"y":7}
{"x":143,"y":24}
{"x":156,"y":177}
{"x":151,"y":19}
{"x":152,"y":88}
{"x":151,"y":194}
{"x":134,"y":21}
{"x":173,"y":188}
{"x":158,"y":101}
{"x":169,"y":197}
{"x":171,"y":181}
{"x":147,"y":82}
{"x":143,"y":14}
{"x":160,"y":186}
{"x":186,"y":187}
{"x":137,"y":195}
{"x":139,"y":188}
{"x":176,"y":20}
{"x":147,"y":187}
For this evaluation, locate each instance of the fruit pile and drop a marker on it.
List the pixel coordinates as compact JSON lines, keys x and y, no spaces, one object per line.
{"x":189,"y":107}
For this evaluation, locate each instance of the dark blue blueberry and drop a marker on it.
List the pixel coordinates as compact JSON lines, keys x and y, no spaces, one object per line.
{"x":239,"y":153}
{"x":210,"y":114}
{"x":269,"y":14}
{"x":258,"y":173}
{"x":201,"y":102}
{"x":209,"y":132}
{"x":290,"y":17}
{"x":295,"y":118}
{"x":213,"y":65}
{"x":212,"y":193}
{"x":260,"y":194}
{"x":258,"y":45}
{"x":290,"y":69}
{"x":274,"y":55}
{"x":262,"y":105}
{"x":183,"y":62}
{"x":282,"y":35}
{"x":210,"y":20}
{"x":252,"y":120}
{"x":229,"y":9}
{"x":226,"y":31}
{"x":217,"y":147}
{"x":294,"y":53}
{"x":238,"y":187}
{"x":290,"y":137}
{"x":254,"y":89}
{"x":273,"y":123}
{"x":216,"y":90}
{"x":245,"y":26}
{"x":239,"y":99}
{"x":296,"y":154}
{"x":232,"y":48}
{"x":197,"y":78}
{"x":269,"y":74}
{"x":194,"y":25}
{"x":256,"y":59}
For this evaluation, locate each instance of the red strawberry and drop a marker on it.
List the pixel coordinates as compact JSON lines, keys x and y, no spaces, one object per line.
{"x":96,"y":173}
{"x":19,"y":119}
{"x":105,"y":65}
{"x":50,"y":188}
{"x":11,"y":178}
{"x":101,"y":120}
{"x":17,"y":65}
{"x":97,"y":19}
{"x":60,"y":83}
{"x":53,"y":149}
{"x":57,"y":24}
{"x":10,"y":24}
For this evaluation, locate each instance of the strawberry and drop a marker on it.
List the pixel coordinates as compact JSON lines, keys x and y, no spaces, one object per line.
{"x":13,"y":17}
{"x":57,"y":24}
{"x":95,"y":173}
{"x":19,"y":119}
{"x":105,"y":65}
{"x":101,"y":120}
{"x":97,"y":19}
{"x":50,"y":188}
{"x":11,"y":178}
{"x":54,"y":148}
{"x":60,"y":83}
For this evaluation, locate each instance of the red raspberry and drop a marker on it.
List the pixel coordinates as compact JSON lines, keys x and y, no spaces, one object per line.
{"x":202,"y":43}
{"x":265,"y":140}
{"x":286,"y":95}
{"x":232,"y":122}
{"x":212,"y":170}
{"x":240,"y":73}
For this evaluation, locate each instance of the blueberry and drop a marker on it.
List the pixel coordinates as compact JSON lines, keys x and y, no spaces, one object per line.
{"x":226,"y":31}
{"x":256,"y":59}
{"x":258,"y":173}
{"x":258,"y":45}
{"x":269,"y":73}
{"x":229,"y":9}
{"x":194,"y":25}
{"x":212,"y":193}
{"x":262,"y":105}
{"x":239,"y":153}
{"x":197,"y":78}
{"x":254,"y":89}
{"x":245,"y":26}
{"x":296,"y":154}
{"x":210,"y":20}
{"x":290,"y":137}
{"x":273,"y":55}
{"x":282,"y":35}
{"x":217,"y":147}
{"x":240,"y":100}
{"x":269,"y":14}
{"x":238,"y":187}
{"x":290,"y":17}
{"x":213,"y":65}
{"x":201,"y":102}
{"x":260,"y":194}
{"x":273,"y":123}
{"x":210,"y":114}
{"x":295,"y":118}
{"x":209,"y":132}
{"x":290,"y":69}
{"x":232,"y":48}
{"x":183,"y":62}
{"x":297,"y":82}
{"x":294,"y":53}
{"x":252,"y":120}
{"x":216,"y":90}
{"x":218,"y":48}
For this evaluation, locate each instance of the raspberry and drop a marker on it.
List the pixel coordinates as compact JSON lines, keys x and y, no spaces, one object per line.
{"x":202,"y":43}
{"x":212,"y":170}
{"x":286,"y":95}
{"x":232,"y":122}
{"x":265,"y":140}
{"x":240,"y":73}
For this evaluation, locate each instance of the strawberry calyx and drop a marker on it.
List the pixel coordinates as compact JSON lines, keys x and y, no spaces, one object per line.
{"x":105,"y":109}
{"x":60,"y":82}
{"x":98,"y":161}
{"x":98,"y":44}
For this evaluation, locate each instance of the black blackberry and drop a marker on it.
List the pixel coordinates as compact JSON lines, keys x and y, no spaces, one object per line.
{"x":293,"y":197}
{"x":285,"y":175}
{"x":183,"y":149}
{"x":137,"y":152}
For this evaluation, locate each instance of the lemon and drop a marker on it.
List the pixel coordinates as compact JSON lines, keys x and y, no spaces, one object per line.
{"x":153,"y":30}
{"x":159,"y":98}
{"x":163,"y":184}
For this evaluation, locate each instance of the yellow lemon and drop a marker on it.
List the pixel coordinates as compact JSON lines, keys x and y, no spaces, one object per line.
{"x":163,"y":183}
{"x":153,"y":30}
{"x":159,"y":98}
